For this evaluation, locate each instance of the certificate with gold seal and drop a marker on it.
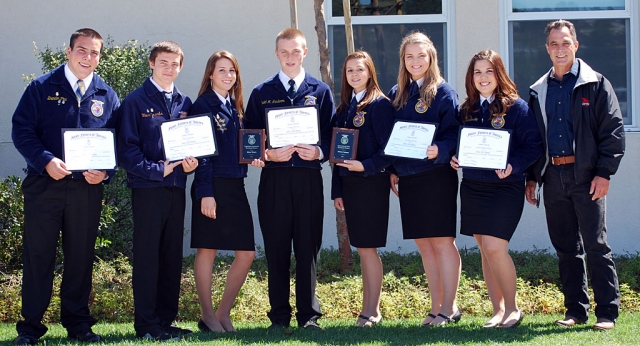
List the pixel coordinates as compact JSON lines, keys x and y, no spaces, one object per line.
{"x":84,"y":149}
{"x":292,"y":125}
{"x":483,"y":148}
{"x":190,"y":136}
{"x":410,"y":139}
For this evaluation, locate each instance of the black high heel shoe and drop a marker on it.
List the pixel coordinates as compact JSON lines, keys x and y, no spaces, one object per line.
{"x":512,"y":325}
{"x":203,"y":326}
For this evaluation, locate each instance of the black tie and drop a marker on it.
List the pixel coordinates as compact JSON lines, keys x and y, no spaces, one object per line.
{"x":413,"y":89}
{"x":228,"y":106}
{"x":485,"y":107}
{"x":168,"y":99}
{"x":292,"y":89}
{"x":353,"y":105}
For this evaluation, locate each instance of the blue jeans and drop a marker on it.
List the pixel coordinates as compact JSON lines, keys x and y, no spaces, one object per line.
{"x":577,"y":226}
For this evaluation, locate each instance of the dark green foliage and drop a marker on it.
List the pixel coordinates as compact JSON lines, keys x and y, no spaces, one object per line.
{"x":11,"y":222}
{"x":124,"y":67}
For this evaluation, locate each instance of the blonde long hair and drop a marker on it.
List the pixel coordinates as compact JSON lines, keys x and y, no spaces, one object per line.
{"x":432,"y":77}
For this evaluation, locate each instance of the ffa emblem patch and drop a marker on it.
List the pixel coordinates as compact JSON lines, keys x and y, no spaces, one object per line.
{"x":309,"y":100}
{"x":497,"y":121}
{"x":97,"y":108}
{"x":421,"y":106}
{"x":358,"y":119}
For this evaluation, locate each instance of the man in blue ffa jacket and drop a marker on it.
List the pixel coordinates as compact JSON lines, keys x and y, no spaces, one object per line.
{"x":55,"y":199}
{"x":579,"y":117}
{"x":157,"y":192}
{"x":290,"y":199}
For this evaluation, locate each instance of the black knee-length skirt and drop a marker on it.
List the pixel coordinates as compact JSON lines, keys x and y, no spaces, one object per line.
{"x":428,"y":203}
{"x":366,"y":207}
{"x":232,"y":229}
{"x":490,"y":207}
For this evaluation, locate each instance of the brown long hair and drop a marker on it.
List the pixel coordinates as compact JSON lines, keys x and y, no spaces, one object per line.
{"x":236,"y":90}
{"x":505,"y":92}
{"x":432,"y":77}
{"x":373,"y":89}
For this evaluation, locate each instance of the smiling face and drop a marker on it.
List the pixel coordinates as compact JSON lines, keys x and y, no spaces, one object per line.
{"x":484,"y":78}
{"x":84,"y":57}
{"x":416,"y":60}
{"x":166,"y":68}
{"x":357,"y":74}
{"x":291,"y":53}
{"x":223,"y":76}
{"x":562,"y":49}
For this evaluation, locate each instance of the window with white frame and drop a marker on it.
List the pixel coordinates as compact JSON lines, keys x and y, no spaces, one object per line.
{"x":378,"y":28}
{"x":606,"y":31}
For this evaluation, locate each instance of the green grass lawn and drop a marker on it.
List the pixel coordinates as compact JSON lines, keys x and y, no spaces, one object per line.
{"x":534,"y":330}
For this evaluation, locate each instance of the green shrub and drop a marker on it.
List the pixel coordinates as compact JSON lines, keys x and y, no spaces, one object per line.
{"x":340,"y":296}
{"x":11,"y":222}
{"x":124,"y":67}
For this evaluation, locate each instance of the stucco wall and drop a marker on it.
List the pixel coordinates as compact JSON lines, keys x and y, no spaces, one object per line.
{"x":248,"y":28}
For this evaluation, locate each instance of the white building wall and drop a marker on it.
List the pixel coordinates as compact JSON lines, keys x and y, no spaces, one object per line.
{"x":248,"y":28}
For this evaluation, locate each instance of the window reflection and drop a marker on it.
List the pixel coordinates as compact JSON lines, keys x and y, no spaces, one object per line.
{"x":387,"y":7}
{"x":603,"y":45}
{"x":382,"y":42}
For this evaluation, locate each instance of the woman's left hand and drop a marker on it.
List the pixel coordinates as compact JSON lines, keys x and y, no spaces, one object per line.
{"x":503,"y":173}
{"x":352,"y":165}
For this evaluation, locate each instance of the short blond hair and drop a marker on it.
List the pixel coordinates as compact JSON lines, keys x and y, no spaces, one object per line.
{"x":291,"y":34}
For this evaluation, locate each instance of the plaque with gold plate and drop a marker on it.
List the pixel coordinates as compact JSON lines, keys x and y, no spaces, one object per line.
{"x":344,"y":145}
{"x":251,"y":145}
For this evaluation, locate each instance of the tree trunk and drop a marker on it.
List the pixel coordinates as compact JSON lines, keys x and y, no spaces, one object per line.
{"x":346,"y":257}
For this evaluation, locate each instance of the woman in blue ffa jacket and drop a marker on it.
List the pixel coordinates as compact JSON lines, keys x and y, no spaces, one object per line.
{"x":492,"y":200}
{"x":221,"y":217}
{"x":428,"y":188}
{"x":361,"y":187}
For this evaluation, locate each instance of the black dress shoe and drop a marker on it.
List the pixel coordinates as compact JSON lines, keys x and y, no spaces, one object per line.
{"x":176,"y":331}
{"x":25,"y":339}
{"x":276,"y":327}
{"x":455,"y":318}
{"x":512,"y":325}
{"x":203,"y":326}
{"x":88,"y":336}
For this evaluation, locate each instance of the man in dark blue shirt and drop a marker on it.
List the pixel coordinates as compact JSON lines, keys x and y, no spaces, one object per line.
{"x":579,"y":116}
{"x":57,"y":200}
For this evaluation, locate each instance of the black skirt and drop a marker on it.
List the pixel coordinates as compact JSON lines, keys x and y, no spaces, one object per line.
{"x":490,"y":207}
{"x":428,"y":203}
{"x":366,"y":207}
{"x":232,"y":229}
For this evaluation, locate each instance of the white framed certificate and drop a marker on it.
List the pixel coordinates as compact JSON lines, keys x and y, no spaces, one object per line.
{"x":292,"y":125}
{"x":84,"y":149}
{"x":483,"y":148}
{"x":410,"y":139}
{"x":190,"y":136}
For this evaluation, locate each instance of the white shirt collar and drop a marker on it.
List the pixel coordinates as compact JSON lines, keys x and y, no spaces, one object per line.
{"x":489,"y":99}
{"x":359,"y":96}
{"x":73,"y":80}
{"x":420,"y":82}
{"x":284,"y":79}
{"x":160,"y":88}
{"x":222,"y":99}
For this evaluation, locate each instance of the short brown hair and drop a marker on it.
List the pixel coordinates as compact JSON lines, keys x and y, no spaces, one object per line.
{"x":166,"y":47}
{"x":558,"y":25}
{"x":85,"y":32}
{"x":291,"y":34}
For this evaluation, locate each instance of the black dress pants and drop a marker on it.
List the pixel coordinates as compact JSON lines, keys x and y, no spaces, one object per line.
{"x":291,"y":210}
{"x":70,"y":207}
{"x":158,"y":221}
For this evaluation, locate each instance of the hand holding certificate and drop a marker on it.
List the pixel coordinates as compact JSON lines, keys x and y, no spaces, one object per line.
{"x":292,"y":125}
{"x":191,"y":136}
{"x":85,"y":149}
{"x":483,"y":148}
{"x":410,"y":139}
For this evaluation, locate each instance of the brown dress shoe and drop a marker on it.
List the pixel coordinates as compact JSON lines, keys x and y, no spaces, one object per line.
{"x":603,"y":324}
{"x":569,"y":321}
